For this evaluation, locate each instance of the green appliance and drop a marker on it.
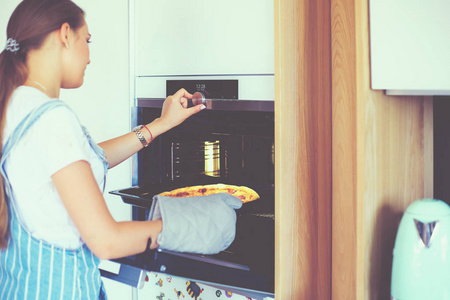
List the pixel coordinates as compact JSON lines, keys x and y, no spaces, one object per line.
{"x":421,"y":256}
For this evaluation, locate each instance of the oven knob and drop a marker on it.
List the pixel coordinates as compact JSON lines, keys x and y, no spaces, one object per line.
{"x":198,"y":98}
{"x":163,"y":268}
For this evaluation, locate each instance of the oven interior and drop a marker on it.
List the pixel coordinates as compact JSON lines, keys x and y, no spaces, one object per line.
{"x":232,"y":147}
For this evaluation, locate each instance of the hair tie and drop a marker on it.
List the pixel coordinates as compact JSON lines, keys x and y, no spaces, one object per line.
{"x":12,"y":45}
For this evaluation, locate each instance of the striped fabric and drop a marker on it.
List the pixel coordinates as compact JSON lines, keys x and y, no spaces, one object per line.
{"x":33,"y":269}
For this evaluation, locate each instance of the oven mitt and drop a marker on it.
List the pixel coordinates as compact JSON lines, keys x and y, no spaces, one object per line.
{"x":203,"y":224}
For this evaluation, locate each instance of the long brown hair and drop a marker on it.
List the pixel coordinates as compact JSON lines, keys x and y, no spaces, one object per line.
{"x":29,"y":25}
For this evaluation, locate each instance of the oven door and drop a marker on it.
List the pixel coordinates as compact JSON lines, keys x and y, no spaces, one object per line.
{"x":211,"y":271}
{"x":233,"y":144}
{"x":246,"y":264}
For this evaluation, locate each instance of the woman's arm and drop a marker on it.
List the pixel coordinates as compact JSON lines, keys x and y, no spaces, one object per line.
{"x":86,"y":206}
{"x":173,"y":113}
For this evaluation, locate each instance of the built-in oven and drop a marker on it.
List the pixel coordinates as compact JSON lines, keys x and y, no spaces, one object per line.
{"x":231,"y":142}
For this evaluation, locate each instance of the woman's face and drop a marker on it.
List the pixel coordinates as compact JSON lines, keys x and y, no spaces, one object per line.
{"x":76,"y":58}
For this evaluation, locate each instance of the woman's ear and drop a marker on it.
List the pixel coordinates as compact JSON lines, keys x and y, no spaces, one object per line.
{"x":64,"y":33}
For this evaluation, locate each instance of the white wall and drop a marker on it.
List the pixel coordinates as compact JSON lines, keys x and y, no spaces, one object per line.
{"x":102,"y":103}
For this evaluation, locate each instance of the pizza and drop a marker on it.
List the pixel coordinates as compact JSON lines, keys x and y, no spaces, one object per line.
{"x":245,"y":194}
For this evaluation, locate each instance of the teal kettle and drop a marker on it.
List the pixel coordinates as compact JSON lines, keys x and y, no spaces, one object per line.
{"x":421,"y":256}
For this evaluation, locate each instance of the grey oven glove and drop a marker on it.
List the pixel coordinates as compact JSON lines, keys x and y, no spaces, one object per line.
{"x":203,"y":224}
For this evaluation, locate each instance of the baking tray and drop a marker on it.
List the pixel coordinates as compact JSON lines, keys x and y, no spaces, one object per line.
{"x":254,"y":228}
{"x":142,"y":196}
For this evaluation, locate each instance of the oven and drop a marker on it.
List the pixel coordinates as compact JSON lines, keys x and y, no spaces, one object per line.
{"x":231,"y":142}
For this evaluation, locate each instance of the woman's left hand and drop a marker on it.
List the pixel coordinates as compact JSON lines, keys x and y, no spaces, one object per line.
{"x":175,"y":110}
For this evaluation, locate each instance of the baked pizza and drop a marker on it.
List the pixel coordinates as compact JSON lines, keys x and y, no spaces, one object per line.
{"x":244,"y":193}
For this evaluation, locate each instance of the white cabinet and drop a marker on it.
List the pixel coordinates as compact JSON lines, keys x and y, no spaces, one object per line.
{"x":177,"y":37}
{"x":410,"y":46}
{"x":116,"y":290}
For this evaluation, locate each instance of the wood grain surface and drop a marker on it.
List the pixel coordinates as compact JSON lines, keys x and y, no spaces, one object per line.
{"x":302,"y":149}
{"x":349,"y":159}
{"x":382,"y":160}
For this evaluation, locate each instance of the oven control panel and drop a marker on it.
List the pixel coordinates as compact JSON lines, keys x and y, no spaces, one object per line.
{"x":212,"y":89}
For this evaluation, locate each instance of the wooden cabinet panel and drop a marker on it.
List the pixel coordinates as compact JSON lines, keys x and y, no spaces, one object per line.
{"x":382,"y":161}
{"x":302,"y":149}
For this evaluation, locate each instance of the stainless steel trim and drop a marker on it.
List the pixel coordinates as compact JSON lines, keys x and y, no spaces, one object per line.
{"x":132,"y":83}
{"x":198,"y":98}
{"x":426,"y":230}
{"x":204,"y":75}
{"x":206,"y":259}
{"x":172,"y":161}
{"x":235,"y":105}
{"x":134,"y":159}
{"x":141,"y":280}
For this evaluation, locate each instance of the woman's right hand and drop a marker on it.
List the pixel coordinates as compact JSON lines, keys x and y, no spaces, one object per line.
{"x":175,"y":110}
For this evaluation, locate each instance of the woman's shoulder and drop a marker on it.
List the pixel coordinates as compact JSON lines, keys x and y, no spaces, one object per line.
{"x":23,"y":100}
{"x":26,"y":99}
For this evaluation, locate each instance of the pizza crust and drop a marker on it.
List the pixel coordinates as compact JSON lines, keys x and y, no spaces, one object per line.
{"x":245,"y":194}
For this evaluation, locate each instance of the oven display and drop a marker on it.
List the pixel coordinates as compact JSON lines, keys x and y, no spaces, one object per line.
{"x":216,"y":89}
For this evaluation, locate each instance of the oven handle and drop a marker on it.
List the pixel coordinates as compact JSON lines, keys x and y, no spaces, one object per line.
{"x":127,"y":274}
{"x":148,"y":252}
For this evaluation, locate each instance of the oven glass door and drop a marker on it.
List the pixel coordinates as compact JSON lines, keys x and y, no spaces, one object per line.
{"x":230,"y":147}
{"x":247,"y":263}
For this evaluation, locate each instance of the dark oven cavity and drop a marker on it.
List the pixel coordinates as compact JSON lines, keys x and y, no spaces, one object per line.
{"x":231,"y":147}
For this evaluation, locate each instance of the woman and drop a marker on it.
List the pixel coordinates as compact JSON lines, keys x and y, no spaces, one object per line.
{"x":54,"y":222}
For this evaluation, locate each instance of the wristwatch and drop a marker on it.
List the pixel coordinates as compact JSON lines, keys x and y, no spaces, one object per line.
{"x":140,"y":136}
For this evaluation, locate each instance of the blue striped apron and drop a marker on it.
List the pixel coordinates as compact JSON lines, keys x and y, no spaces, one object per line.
{"x":33,"y":269}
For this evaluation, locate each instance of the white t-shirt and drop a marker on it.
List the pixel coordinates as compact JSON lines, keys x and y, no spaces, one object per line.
{"x":52,"y":143}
